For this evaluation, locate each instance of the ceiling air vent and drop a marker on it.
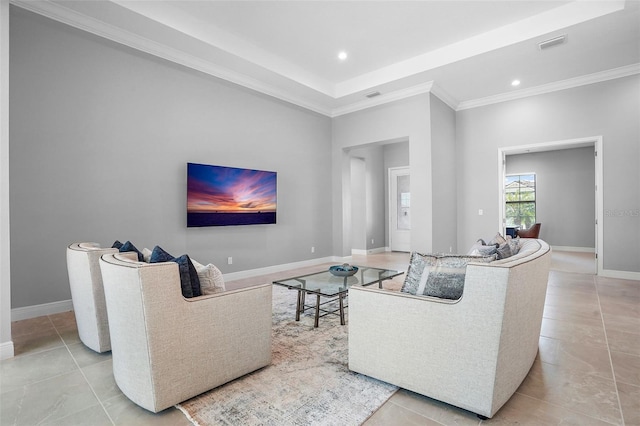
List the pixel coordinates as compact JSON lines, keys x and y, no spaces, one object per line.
{"x":373,"y":94}
{"x":552,"y":42}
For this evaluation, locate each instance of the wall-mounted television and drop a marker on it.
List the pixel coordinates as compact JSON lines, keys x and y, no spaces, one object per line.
{"x":225,"y":196}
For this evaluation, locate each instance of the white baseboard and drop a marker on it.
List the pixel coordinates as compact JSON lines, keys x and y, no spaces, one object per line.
{"x":623,"y":275}
{"x":575,"y":249}
{"x":6,"y":350}
{"x":278,"y":268}
{"x":27,"y":312}
{"x":366,"y":252}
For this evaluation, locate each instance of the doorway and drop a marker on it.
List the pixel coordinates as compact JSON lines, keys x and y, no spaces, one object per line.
{"x":596,"y":143}
{"x":399,"y":209}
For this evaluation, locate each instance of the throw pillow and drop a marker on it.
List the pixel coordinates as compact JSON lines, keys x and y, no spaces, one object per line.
{"x":446,"y":277}
{"x":211,"y":279}
{"x":498,"y":239}
{"x":146,"y":254}
{"x":481,"y":249}
{"x":116,"y":244}
{"x":158,"y":254}
{"x":441,"y":275}
{"x":514,"y":245}
{"x":417,"y":266}
{"x":128,"y":246}
{"x":504,"y":251}
{"x":189,"y":282}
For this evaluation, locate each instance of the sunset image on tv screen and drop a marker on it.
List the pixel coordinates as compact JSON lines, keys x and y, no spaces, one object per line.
{"x":221,"y":196}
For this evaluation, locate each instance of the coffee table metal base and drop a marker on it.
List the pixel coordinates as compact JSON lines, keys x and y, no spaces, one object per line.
{"x":301,"y":307}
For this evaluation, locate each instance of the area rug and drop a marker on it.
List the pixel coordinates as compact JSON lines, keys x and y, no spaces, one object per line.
{"x":307,"y":383}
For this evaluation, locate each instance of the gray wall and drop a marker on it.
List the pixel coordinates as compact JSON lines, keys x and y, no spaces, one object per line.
{"x":100,"y":137}
{"x":368,"y":225}
{"x":565,"y":194}
{"x":443,"y":149}
{"x":609,"y":109}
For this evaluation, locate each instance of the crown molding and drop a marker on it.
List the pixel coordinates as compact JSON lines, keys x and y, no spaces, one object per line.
{"x":553,"y":87}
{"x":384,"y":98}
{"x":444,"y":96}
{"x":102,"y":29}
{"x":94,"y":26}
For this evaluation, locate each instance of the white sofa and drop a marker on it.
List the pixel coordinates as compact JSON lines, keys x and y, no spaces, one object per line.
{"x":166,"y":348}
{"x":473,"y":352}
{"x":87,"y":294}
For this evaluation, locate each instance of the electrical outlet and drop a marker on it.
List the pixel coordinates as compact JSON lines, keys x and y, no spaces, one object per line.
{"x":313,"y":249}
{"x":480,"y":212}
{"x":229,"y":260}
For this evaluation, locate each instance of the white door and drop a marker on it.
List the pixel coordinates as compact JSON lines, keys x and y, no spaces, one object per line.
{"x":399,"y":209}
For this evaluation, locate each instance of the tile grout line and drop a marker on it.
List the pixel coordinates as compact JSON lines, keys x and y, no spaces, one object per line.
{"x":573,"y":410}
{"x":81,"y":372}
{"x":415,"y":412}
{"x":606,"y":340}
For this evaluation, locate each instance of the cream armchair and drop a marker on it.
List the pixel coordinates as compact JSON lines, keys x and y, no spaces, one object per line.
{"x":87,"y":294}
{"x":166,"y":348}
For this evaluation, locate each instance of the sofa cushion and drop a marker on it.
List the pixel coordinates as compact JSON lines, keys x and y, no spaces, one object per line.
{"x":128,"y":246}
{"x":189,"y":281}
{"x":439,"y":275}
{"x":211,"y":279}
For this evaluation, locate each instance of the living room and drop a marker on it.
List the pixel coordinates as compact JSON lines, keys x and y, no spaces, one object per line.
{"x":100,"y":135}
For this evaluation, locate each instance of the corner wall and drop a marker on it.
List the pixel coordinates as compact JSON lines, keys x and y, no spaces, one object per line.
{"x":6,"y":345}
{"x":443,"y":151}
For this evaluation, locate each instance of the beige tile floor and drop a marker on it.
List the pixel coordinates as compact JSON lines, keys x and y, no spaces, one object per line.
{"x":587,"y":371}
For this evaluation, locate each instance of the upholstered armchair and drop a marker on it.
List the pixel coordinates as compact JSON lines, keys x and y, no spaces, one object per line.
{"x":532,"y":232}
{"x":87,"y":294}
{"x":166,"y":348}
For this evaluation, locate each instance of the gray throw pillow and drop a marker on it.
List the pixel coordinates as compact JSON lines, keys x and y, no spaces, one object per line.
{"x":439,"y":275}
{"x":504,"y":251}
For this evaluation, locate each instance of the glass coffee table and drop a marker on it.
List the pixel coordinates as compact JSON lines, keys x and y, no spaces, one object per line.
{"x":325,"y":284}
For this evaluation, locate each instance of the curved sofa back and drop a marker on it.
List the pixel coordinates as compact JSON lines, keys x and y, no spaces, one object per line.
{"x":473,"y":352}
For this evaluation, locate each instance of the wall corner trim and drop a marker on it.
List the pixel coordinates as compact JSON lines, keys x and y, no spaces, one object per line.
{"x":6,"y":350}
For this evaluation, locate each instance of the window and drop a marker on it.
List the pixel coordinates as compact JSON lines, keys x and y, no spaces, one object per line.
{"x":520,"y":196}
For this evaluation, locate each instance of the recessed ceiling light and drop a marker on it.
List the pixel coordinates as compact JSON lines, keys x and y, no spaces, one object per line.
{"x":515,"y":83}
{"x":342,"y":55}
